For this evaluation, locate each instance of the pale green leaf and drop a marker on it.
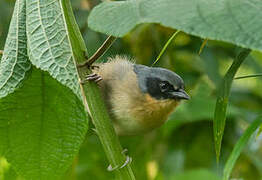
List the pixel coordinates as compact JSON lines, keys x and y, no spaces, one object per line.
{"x":216,"y":20}
{"x":42,"y":125}
{"x":240,"y":146}
{"x":14,"y":64}
{"x":48,"y":42}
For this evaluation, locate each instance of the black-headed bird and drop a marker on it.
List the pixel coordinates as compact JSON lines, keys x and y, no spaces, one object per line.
{"x":139,"y":98}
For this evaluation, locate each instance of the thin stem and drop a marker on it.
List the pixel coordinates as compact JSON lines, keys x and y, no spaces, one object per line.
{"x":202,"y":46}
{"x":248,"y":76}
{"x":165,"y":46}
{"x":100,"y":52}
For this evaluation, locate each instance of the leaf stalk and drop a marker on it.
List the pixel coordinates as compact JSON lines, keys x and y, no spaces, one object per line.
{"x":100,"y":52}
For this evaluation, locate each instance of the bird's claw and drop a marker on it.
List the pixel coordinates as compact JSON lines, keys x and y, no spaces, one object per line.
{"x":92,"y":77}
{"x":127,"y":161}
{"x":94,"y":67}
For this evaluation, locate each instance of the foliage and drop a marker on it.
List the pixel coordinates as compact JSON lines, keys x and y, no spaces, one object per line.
{"x":217,"y":20}
{"x":42,"y":122}
{"x":222,"y":99}
{"x":15,"y":63}
{"x":42,"y":147}
{"x":42,"y":126}
{"x":239,"y":147}
{"x":45,"y":35}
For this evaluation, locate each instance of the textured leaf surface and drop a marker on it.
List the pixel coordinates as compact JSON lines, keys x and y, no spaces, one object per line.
{"x":14,"y":64}
{"x":48,"y":42}
{"x":240,"y":146}
{"x":237,"y":22}
{"x":222,"y":100}
{"x":42,"y":125}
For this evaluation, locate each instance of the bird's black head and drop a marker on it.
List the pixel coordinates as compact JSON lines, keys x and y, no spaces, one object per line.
{"x":160,"y":83}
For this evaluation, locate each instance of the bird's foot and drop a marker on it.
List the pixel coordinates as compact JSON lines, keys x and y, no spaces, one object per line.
{"x":93,"y":67}
{"x":92,"y":77}
{"x":127,"y":161}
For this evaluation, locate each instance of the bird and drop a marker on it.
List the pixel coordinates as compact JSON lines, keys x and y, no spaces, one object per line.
{"x":139,"y":98}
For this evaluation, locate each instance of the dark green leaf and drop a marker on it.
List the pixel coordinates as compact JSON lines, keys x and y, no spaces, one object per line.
{"x":42,"y":125}
{"x":222,"y":100}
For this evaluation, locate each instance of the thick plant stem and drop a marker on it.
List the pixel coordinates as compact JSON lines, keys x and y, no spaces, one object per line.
{"x":95,"y":105}
{"x":105,"y":129}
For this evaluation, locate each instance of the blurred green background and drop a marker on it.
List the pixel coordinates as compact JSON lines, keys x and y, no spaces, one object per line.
{"x":182,"y":149}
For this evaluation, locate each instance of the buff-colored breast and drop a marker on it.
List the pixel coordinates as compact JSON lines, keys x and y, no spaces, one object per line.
{"x":132,"y":111}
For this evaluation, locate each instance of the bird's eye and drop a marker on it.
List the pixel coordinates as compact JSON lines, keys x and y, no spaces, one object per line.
{"x":164,"y":86}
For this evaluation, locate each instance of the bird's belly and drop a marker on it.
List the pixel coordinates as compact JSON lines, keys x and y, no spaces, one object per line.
{"x":128,"y":126}
{"x":139,"y":122}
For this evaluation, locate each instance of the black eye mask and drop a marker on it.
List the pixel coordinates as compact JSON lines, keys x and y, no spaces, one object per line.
{"x":159,"y":82}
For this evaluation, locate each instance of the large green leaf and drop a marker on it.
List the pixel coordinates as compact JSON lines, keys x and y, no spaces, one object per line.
{"x":42,"y":125}
{"x":219,"y":20}
{"x":222,"y":100}
{"x":14,"y":64}
{"x":240,"y":146}
{"x":48,"y":42}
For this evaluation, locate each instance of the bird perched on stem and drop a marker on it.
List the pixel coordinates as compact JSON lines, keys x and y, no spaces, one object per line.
{"x":139,"y":98}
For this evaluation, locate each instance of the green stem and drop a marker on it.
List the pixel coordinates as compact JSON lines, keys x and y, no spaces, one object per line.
{"x":165,"y":46}
{"x":202,"y":46}
{"x":248,"y":76}
{"x":100,"y":52}
{"x":95,"y":104}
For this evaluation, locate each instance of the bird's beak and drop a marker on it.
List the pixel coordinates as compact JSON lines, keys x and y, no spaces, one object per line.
{"x":180,"y":94}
